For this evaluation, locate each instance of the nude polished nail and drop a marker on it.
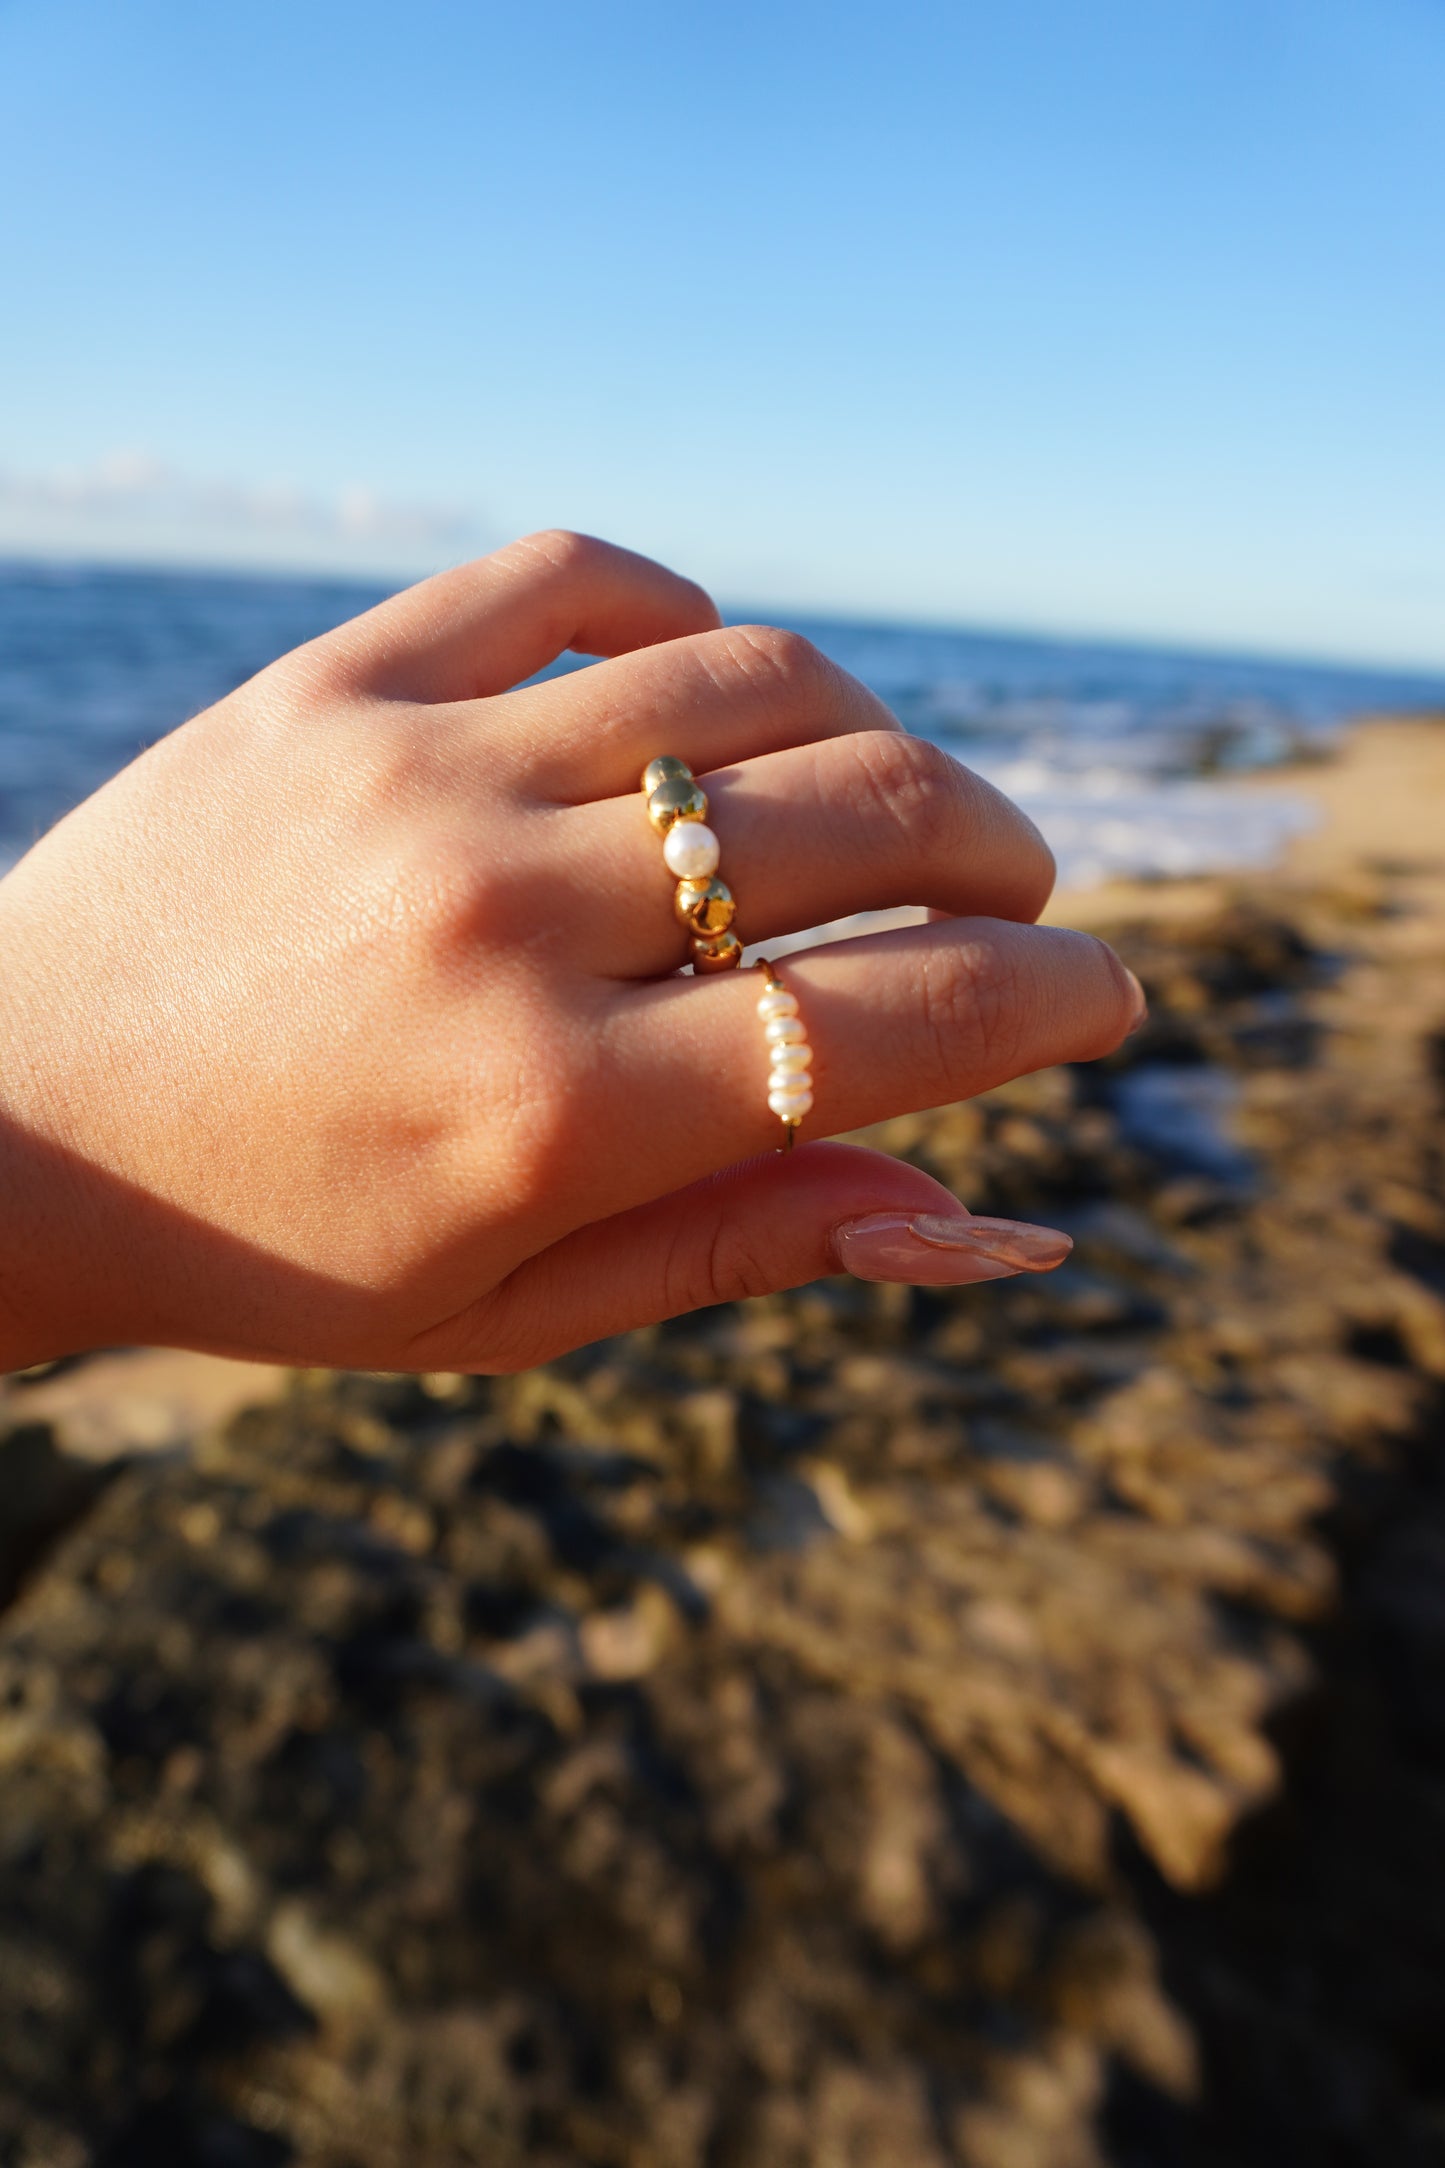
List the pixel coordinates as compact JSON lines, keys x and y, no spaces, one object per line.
{"x":937,"y":1249}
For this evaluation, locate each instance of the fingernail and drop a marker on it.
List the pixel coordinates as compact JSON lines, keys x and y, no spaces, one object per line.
{"x":937,"y":1249}
{"x":1141,"y":1005}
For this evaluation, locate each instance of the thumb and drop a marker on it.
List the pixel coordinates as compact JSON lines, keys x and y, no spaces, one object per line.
{"x":758,"y":1227}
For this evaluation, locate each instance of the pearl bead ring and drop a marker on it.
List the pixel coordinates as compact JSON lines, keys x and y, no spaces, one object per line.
{"x":790,"y":1079}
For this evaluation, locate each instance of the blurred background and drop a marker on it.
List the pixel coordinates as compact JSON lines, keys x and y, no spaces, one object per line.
{"x":865,"y":1729}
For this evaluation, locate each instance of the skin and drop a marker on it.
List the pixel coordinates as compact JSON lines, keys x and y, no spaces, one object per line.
{"x":345,"y":1025}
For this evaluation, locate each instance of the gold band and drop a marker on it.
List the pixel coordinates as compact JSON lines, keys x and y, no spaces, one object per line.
{"x":790,"y":1079}
{"x":677,"y":809}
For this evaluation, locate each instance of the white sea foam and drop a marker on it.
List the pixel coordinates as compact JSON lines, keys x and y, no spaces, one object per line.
{"x":1103,"y":822}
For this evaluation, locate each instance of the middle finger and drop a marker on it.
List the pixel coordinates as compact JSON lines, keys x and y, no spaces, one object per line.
{"x":714,"y":698}
{"x":816,"y":833}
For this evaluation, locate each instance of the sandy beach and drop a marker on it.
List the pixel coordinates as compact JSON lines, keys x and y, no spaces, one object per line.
{"x":1376,"y":813}
{"x":871,"y":1726}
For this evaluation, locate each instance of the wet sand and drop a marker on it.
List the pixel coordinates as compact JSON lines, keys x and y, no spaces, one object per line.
{"x":868,"y":1726}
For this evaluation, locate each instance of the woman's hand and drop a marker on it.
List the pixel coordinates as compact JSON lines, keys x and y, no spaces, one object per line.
{"x":344,"y":1025}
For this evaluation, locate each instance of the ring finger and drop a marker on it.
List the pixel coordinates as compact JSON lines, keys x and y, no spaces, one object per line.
{"x":898,"y":1021}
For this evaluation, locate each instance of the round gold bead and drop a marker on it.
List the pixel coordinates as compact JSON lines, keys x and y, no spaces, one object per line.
{"x":706,"y":907}
{"x":665,"y":769}
{"x":723,"y":953}
{"x":679,"y":799}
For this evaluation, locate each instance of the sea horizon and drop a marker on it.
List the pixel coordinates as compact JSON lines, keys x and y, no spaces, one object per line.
{"x":750,"y":610}
{"x":1115,"y":746}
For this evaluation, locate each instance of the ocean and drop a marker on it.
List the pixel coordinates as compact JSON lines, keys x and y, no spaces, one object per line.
{"x":1116,"y":751}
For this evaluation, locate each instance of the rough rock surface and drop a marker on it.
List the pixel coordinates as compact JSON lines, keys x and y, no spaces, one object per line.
{"x":864,"y":1729}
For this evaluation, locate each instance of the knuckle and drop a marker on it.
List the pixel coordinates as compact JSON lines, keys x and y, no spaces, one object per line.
{"x":529,"y":1146}
{"x":309,"y":684}
{"x":789,"y":662}
{"x":562,"y":551}
{"x":531,"y":1135}
{"x":445,"y":898}
{"x":718,"y":1264}
{"x":909,"y":783}
{"x":395,"y":767}
{"x":545,"y":1109}
{"x":973,"y":1004}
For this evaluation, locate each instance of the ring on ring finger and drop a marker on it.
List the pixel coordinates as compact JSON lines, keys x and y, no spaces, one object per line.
{"x":790,"y":1077}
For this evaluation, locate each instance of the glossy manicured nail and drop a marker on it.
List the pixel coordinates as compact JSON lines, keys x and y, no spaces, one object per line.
{"x":1141,"y":1005}
{"x":937,"y":1249}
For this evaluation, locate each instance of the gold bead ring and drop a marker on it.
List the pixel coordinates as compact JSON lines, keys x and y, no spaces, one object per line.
{"x":790,"y":1078}
{"x":677,"y":809}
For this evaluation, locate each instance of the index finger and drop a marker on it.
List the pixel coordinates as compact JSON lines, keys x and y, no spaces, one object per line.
{"x":485,"y":626}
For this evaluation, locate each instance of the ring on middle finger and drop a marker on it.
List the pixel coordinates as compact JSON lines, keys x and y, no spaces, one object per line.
{"x":677,"y":809}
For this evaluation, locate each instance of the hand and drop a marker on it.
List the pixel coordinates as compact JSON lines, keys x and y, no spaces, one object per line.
{"x":345,"y":1025}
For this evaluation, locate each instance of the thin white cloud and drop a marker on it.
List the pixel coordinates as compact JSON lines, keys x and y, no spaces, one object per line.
{"x":134,"y":493}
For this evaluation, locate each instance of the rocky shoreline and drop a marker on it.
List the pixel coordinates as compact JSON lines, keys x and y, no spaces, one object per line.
{"x":869,"y":1728}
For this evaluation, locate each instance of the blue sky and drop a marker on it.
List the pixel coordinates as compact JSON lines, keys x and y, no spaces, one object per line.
{"x":1123,"y":318}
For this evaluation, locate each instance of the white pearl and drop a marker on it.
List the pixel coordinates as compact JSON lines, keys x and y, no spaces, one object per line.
{"x":790,"y":1080}
{"x":783,"y":1031}
{"x":797,"y":1056}
{"x":691,"y":850}
{"x":791,"y":1106}
{"x":777,"y":1002}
